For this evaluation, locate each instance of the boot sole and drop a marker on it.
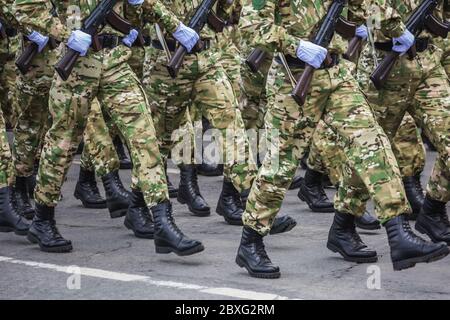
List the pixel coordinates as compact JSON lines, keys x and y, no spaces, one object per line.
{"x":410,"y":263}
{"x":11,"y":229}
{"x":137,"y":233}
{"x":197,"y":213}
{"x":422,"y":230}
{"x":191,"y":251}
{"x":126,"y":166}
{"x":90,"y":205}
{"x":368,"y":227}
{"x":261,"y":275}
{"x":287,"y":228}
{"x":61,"y":249}
{"x":314,"y":209}
{"x":230,"y":221}
{"x":346,"y":257}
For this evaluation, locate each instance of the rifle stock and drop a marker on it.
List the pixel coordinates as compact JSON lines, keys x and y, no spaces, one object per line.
{"x":65,"y":66}
{"x":354,"y":46}
{"x":300,"y":91}
{"x":345,"y":28}
{"x":216,"y":23}
{"x":436,"y":27}
{"x":383,"y":70}
{"x":175,"y":63}
{"x":124,"y":26}
{"x":23,"y":62}
{"x":255,"y":59}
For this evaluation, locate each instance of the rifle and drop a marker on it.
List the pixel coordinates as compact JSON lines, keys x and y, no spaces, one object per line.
{"x":343,"y":27}
{"x":322,"y":38}
{"x":90,"y":26}
{"x":197,"y":23}
{"x":23,"y":62}
{"x":422,"y":18}
{"x":124,"y":26}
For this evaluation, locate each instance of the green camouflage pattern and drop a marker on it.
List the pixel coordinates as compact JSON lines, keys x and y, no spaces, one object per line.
{"x":336,"y":99}
{"x":104,"y":75}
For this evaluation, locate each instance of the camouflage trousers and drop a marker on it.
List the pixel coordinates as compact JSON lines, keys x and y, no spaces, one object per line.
{"x":326,"y":156}
{"x":33,"y":120}
{"x":254,"y":99}
{"x":98,"y":154}
{"x":8,"y":76}
{"x":6,"y":176}
{"x":202,"y":84}
{"x":337,"y":100}
{"x":421,"y":88}
{"x":104,"y":75}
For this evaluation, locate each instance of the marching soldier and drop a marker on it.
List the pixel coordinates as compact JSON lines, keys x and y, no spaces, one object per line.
{"x":335,"y":97}
{"x":107,"y":76}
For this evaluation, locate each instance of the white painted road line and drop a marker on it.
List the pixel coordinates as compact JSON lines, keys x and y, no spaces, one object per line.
{"x":126,"y":277}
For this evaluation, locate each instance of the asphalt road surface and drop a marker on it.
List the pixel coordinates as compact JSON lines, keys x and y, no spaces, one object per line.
{"x":108,"y":262}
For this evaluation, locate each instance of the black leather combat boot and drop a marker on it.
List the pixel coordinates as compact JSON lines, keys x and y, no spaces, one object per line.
{"x":252,"y":256}
{"x":168,"y":237}
{"x":344,"y":239}
{"x":43,"y":231}
{"x":433,"y":221}
{"x":125,"y":162}
{"x":367,"y":222}
{"x":296,"y":183}
{"x":87,"y":191}
{"x":189,"y":192}
{"x":282,"y":225}
{"x":407,"y":248}
{"x":230,"y":206}
{"x":312,"y":192}
{"x":210,"y":170}
{"x":10,"y":220}
{"x":117,"y":197}
{"x":138,"y":218}
{"x":22,"y":198}
{"x":173,"y":191}
{"x":414,"y":194}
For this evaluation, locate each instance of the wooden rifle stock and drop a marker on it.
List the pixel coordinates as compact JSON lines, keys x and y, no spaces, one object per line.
{"x":381,"y":73}
{"x":300,"y":91}
{"x":65,"y":66}
{"x":23,"y":62}
{"x":122,"y":25}
{"x":354,"y":46}
{"x":255,"y":59}
{"x":175,"y":63}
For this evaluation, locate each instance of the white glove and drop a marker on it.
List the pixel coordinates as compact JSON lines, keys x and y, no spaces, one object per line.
{"x":130,"y":38}
{"x":39,"y":39}
{"x":362,"y":32}
{"x":403,"y":43}
{"x":311,"y":53}
{"x":80,"y":41}
{"x":135,"y":2}
{"x":186,"y":36}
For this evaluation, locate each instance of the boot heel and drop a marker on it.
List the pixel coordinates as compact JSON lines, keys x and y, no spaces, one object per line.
{"x":32,"y":238}
{"x":239,"y":262}
{"x":301,"y":197}
{"x":401,"y":265}
{"x":180,"y":199}
{"x":162,"y":250}
{"x":118,"y":213}
{"x":332,"y":247}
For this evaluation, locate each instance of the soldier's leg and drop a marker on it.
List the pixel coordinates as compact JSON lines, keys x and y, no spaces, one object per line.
{"x":322,"y":160}
{"x":432,"y":110}
{"x":69,"y":105}
{"x":31,"y":124}
{"x":99,"y":157}
{"x":122,"y":95}
{"x":219,"y":105}
{"x":409,"y":150}
{"x":10,"y":220}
